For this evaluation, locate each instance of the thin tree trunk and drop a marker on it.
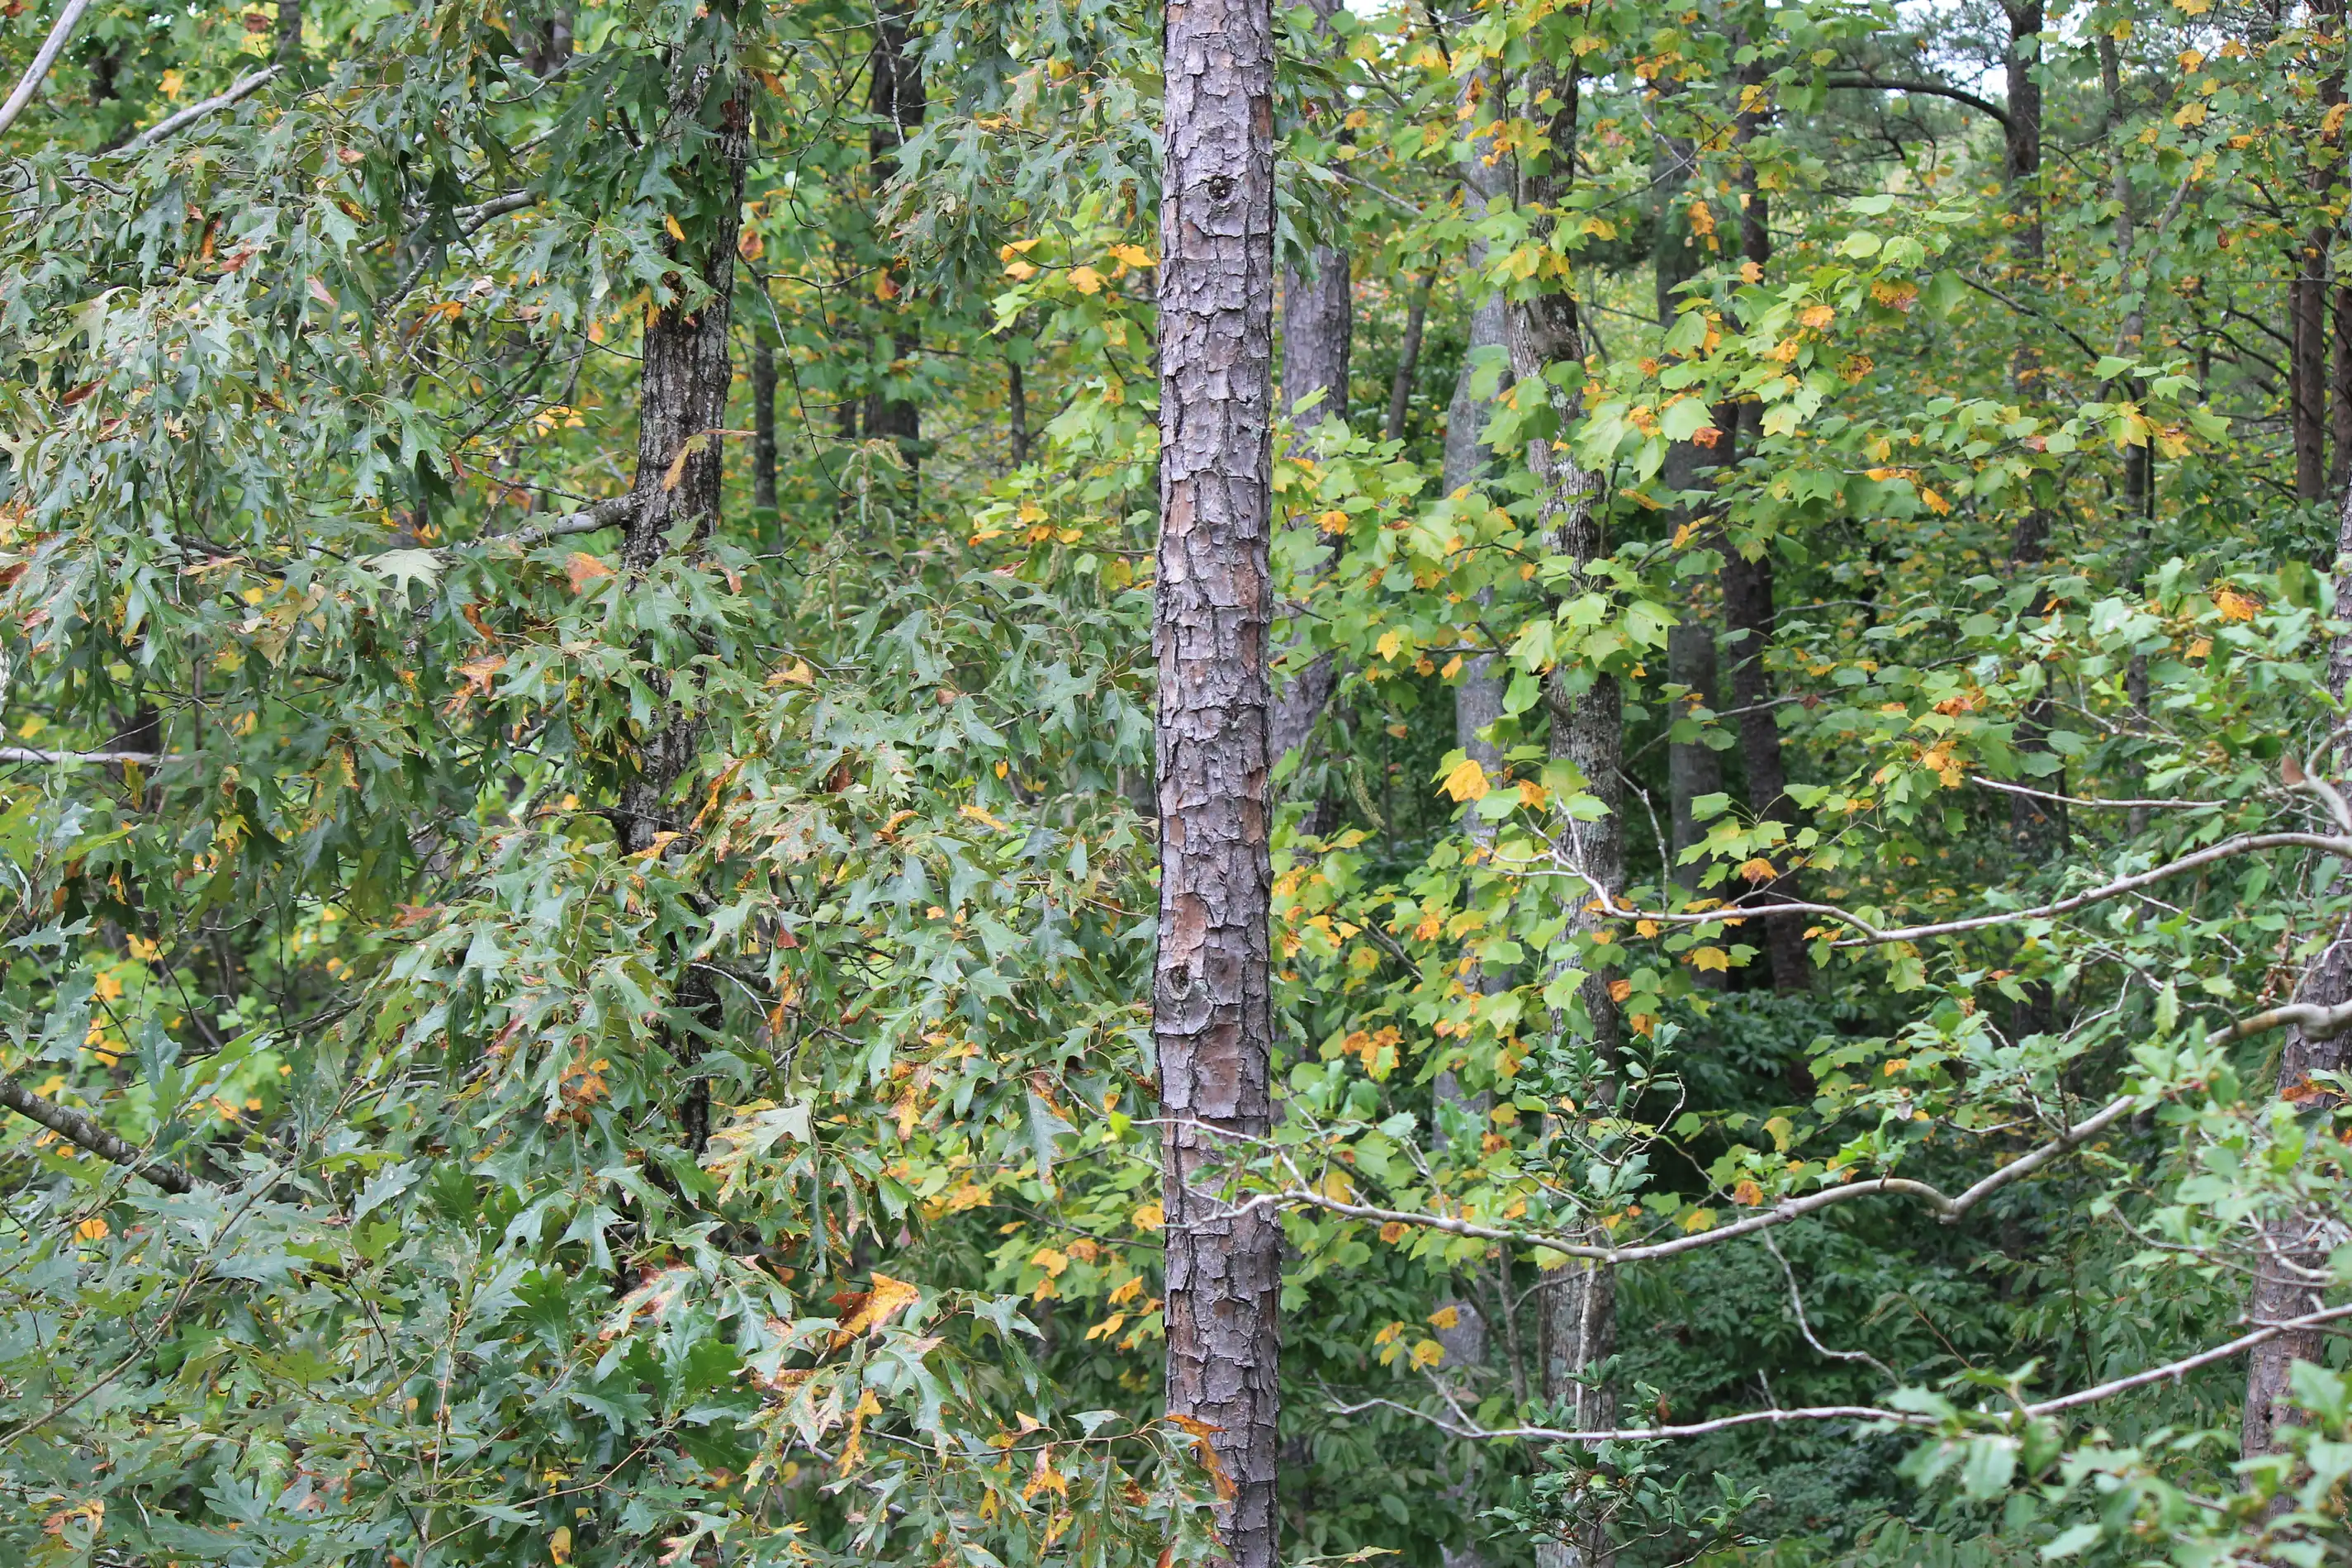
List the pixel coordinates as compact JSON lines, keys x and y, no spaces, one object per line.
{"x":1211,"y":1011}
{"x":764,"y":421}
{"x":1416,"y":316}
{"x":2340,"y":470}
{"x":1692,"y":769}
{"x":1750,"y":623}
{"x":1586,"y":712}
{"x":1017,"y":411}
{"x":290,"y":31}
{"x":682,"y":387}
{"x":1318,"y":331}
{"x":895,"y":99}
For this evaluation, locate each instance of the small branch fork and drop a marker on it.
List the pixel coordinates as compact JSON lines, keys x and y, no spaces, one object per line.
{"x":78,"y":1129}
{"x":2063,"y":1402}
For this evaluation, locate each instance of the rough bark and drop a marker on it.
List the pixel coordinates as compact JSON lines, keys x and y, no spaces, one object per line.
{"x":76,"y":1128}
{"x":2307,"y":364}
{"x":682,"y":386}
{"x":1211,"y":1014}
{"x":1318,"y":328}
{"x":763,"y":422}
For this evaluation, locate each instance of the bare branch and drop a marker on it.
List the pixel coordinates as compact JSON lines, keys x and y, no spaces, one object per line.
{"x":78,"y":1129}
{"x":195,"y":111}
{"x":1932,"y":88}
{"x":1946,"y":1208}
{"x":1983,"y":783}
{"x":2064,"y":1402}
{"x":42,"y":61}
{"x":35,"y":754}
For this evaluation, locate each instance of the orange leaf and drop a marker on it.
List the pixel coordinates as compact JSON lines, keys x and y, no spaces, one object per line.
{"x":583,"y":569}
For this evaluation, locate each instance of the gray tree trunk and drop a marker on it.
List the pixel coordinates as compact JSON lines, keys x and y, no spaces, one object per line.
{"x":1318,"y":336}
{"x":1586,"y":712}
{"x":1211,"y":1006}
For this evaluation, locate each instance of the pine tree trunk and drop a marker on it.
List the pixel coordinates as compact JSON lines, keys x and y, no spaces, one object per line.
{"x":1210,"y":1010}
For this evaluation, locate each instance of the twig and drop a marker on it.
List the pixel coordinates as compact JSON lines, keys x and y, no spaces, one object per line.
{"x":195,"y":111}
{"x":78,"y":1129}
{"x":39,"y":68}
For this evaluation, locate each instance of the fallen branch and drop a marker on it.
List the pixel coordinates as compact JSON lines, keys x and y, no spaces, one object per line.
{"x":2064,"y":1402}
{"x":195,"y":111}
{"x":78,"y":1129}
{"x":39,"y":68}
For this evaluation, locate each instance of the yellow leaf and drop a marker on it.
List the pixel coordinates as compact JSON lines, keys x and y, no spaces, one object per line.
{"x":1151,"y":1216}
{"x":583,"y":569}
{"x":2235,"y":606}
{"x":1108,"y":1327}
{"x":1389,"y":644}
{"x":1699,"y":1220}
{"x":1052,"y":1261}
{"x":687,"y":448}
{"x":1467,"y":781}
{"x":1428,"y":1352}
{"x":1758,"y":870}
{"x":876,"y":1307}
{"x":1085,"y":279}
{"x":1445,"y":1317}
{"x":94,"y":1228}
{"x":1532,"y":795}
{"x":867,"y":1406}
{"x":1710,"y":959}
{"x":559,"y":1545}
{"x":1747,"y":1195}
{"x":1131,"y":254}
{"x":676,"y":232}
